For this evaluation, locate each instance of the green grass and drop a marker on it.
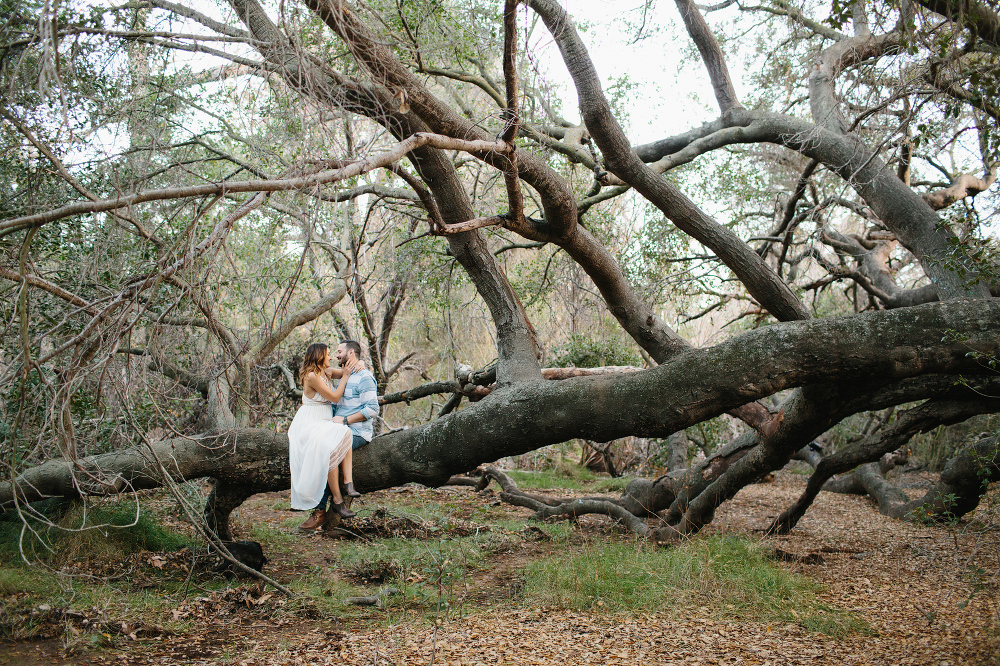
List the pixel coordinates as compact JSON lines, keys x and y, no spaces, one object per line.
{"x":609,"y":485}
{"x":566,"y":477}
{"x":101,"y":530}
{"x":732,"y":577}
{"x":412,"y":556}
{"x":24,"y":580}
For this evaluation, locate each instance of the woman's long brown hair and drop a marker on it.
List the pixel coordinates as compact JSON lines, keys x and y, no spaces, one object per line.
{"x":313,"y":361}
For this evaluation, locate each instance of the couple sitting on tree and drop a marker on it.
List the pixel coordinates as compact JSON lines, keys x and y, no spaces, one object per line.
{"x":329,"y":425}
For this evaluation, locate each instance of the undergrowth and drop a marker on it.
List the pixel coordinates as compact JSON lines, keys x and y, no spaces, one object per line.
{"x":78,"y":529}
{"x":438,"y":571}
{"x":731,"y":577}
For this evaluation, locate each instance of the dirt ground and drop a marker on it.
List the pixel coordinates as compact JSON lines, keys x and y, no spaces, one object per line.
{"x":930,"y":594}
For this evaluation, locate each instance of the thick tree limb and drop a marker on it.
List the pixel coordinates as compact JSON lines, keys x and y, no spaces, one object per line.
{"x":711,"y":55}
{"x":835,"y":59}
{"x":889,"y":345}
{"x":963,"y":482}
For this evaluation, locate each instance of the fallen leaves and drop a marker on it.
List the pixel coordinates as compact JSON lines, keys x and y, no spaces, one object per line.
{"x":909,"y":582}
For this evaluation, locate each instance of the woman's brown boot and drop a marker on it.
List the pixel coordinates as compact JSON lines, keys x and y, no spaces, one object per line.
{"x":350,"y":491}
{"x":343,"y":511}
{"x":317,"y":518}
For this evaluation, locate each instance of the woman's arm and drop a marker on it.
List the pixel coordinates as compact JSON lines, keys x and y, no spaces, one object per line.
{"x":316,"y":383}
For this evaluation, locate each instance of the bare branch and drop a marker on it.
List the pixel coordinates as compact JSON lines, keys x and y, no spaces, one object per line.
{"x":272,"y":185}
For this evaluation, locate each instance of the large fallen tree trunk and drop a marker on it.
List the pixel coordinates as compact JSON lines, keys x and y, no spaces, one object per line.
{"x":692,"y":387}
{"x":256,"y":460}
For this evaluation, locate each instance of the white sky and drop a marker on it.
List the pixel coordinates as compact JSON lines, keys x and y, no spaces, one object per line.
{"x":668,"y":104}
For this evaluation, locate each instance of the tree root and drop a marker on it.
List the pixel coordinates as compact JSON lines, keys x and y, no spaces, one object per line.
{"x":963,"y":482}
{"x":549,"y":507}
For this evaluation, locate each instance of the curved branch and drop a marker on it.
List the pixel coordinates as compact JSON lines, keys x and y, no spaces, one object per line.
{"x":963,"y":482}
{"x":51,"y":288}
{"x":964,"y":185}
{"x":759,"y":279}
{"x":711,"y":55}
{"x":308,"y":182}
{"x":478,"y":81}
{"x":902,"y":210}
{"x":422,"y":391}
{"x":303,"y":316}
{"x":550,"y":507}
{"x":929,"y":415}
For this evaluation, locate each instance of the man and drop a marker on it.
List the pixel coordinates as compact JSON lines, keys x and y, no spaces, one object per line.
{"x":359,"y":405}
{"x":356,"y":409}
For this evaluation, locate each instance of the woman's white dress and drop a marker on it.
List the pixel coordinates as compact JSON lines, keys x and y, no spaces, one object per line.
{"x":315,"y":446}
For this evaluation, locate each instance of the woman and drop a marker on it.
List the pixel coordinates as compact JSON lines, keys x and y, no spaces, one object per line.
{"x":316,"y":444}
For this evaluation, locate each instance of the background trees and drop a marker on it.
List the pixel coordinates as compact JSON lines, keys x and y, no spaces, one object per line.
{"x":191,"y":195}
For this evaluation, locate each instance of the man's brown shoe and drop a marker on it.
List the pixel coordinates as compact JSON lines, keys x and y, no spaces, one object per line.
{"x":317,"y":518}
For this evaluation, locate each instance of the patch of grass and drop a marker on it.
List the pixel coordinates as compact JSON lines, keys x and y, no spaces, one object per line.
{"x":21,"y":580}
{"x":612,"y":485}
{"x":111,"y":529}
{"x":732,"y":577}
{"x":272,"y":536}
{"x":408,"y":556}
{"x":564,"y":477}
{"x":432,"y":576}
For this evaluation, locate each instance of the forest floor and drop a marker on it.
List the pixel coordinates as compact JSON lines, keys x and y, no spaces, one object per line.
{"x":925,"y":595}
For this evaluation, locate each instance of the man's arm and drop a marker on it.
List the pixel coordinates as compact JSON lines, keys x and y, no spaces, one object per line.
{"x":369,"y":393}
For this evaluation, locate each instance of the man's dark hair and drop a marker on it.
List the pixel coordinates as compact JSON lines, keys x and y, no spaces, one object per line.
{"x":352,"y":345}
